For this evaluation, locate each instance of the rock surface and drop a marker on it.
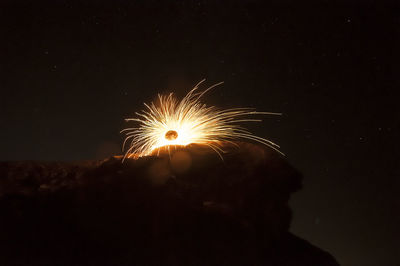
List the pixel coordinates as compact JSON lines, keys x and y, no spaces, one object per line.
{"x":182,"y":207}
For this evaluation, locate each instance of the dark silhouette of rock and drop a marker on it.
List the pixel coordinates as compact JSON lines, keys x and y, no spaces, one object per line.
{"x":183,"y":207}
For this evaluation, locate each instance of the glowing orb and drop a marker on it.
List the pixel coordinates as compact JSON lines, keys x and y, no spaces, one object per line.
{"x":172,"y":122}
{"x":171,"y":135}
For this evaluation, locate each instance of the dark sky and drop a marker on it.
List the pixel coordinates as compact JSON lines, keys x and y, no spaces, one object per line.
{"x":70,"y":73}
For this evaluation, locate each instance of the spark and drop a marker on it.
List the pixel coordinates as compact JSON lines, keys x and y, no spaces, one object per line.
{"x":180,"y":123}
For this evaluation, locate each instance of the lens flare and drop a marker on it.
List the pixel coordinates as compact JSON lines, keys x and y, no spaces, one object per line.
{"x":172,"y":122}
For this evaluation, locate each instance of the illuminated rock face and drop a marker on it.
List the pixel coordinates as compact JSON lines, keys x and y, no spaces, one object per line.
{"x":184,"y":207}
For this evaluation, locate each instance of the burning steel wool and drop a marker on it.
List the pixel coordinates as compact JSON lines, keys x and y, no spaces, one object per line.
{"x":172,"y":122}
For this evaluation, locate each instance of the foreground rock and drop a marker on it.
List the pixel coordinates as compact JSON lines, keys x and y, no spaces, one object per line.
{"x":185,"y":207}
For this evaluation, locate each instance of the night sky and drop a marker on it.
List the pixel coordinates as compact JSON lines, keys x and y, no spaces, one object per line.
{"x":71,"y":72}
